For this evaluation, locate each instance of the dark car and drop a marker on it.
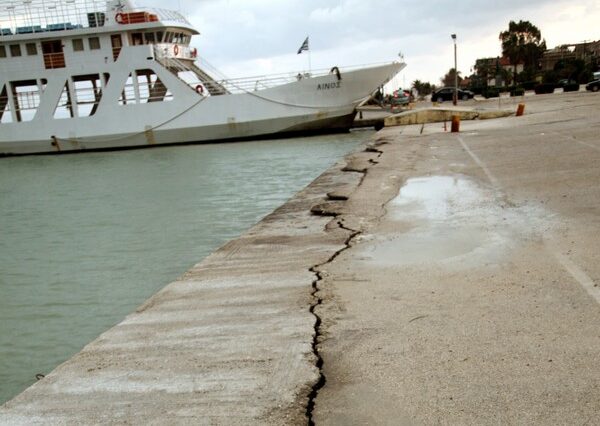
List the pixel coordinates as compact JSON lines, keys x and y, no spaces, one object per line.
{"x":544,"y":88}
{"x":568,"y":85}
{"x":593,"y":86}
{"x":447,"y":94}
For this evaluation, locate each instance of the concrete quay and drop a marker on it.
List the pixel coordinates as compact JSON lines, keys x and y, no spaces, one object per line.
{"x":429,"y":278}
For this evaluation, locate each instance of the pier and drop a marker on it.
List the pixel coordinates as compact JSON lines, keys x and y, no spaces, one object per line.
{"x":429,"y":277}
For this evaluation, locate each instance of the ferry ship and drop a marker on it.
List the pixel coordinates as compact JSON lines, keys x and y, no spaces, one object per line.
{"x":80,"y":75}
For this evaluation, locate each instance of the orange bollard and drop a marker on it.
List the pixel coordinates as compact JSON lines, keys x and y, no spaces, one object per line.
{"x":455,"y":124}
{"x":520,"y":110}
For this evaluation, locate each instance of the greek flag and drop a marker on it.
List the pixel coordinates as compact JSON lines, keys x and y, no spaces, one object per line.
{"x":304,"y":46}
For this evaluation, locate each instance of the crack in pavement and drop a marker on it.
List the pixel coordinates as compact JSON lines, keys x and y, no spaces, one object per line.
{"x":317,"y":301}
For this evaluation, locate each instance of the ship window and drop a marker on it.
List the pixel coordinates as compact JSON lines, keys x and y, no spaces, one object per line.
{"x":26,"y":99}
{"x":159,"y":36}
{"x":2,"y":52}
{"x":15,"y":50}
{"x":150,"y":38}
{"x":77,"y":45}
{"x":88,"y":93}
{"x":169,"y":37}
{"x":94,"y":43}
{"x":31,"y":49}
{"x":137,"y":39}
{"x":151,"y":88}
{"x":53,"y":54}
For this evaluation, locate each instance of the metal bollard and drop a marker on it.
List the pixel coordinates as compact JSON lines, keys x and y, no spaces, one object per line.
{"x":520,"y":110}
{"x":455,"y":124}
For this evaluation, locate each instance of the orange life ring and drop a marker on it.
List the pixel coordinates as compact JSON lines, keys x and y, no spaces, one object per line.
{"x":119,"y":18}
{"x":194,"y":52}
{"x":199,"y":89}
{"x":176,"y":50}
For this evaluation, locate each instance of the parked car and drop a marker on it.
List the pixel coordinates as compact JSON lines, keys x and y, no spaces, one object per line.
{"x":401,"y":97}
{"x":544,"y":88}
{"x":593,"y":86}
{"x":447,"y":94}
{"x":564,"y":81}
{"x":568,"y":85}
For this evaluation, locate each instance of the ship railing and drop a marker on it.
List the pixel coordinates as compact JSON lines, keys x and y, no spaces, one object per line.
{"x":195,"y":78}
{"x":36,"y":16}
{"x":24,"y":100}
{"x":202,"y":73}
{"x":141,"y":15}
{"x":54,"y":60}
{"x":261,"y":82}
{"x":164,"y":15}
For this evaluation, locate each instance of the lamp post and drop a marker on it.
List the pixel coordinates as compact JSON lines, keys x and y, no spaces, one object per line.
{"x":455,"y":97}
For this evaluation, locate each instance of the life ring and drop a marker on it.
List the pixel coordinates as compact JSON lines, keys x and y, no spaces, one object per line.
{"x":119,"y":18}
{"x":176,"y":50}
{"x":194,"y":52}
{"x":200,"y":89}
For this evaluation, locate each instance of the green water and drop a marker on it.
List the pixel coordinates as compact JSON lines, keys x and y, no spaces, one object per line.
{"x":86,"y":238}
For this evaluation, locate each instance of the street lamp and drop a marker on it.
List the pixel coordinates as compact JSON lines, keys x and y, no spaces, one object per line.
{"x":455,"y":97}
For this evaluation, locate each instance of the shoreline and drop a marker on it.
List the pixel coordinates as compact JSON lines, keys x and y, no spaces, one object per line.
{"x":247,"y":300}
{"x":427,"y":277}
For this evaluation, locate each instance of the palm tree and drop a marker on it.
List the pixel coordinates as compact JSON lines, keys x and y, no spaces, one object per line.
{"x":449,"y":79}
{"x":522,"y":42}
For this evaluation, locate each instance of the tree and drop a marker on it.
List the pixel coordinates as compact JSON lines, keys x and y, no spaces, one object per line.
{"x":448,"y":79}
{"x":522,"y":43}
{"x":424,"y":88}
{"x":571,"y":68}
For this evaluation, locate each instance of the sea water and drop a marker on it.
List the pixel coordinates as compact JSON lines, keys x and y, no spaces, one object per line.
{"x":86,"y":238}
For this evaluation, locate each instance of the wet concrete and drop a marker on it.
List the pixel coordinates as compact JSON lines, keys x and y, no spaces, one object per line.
{"x":448,"y":220}
{"x":470,"y":294}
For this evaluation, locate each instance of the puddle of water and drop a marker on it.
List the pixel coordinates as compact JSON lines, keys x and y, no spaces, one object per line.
{"x":450,"y":221}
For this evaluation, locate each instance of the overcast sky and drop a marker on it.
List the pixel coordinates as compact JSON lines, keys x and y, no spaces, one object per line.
{"x":255,"y":37}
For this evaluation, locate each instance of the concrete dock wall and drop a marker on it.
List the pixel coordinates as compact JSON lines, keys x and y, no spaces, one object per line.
{"x":230,"y":342}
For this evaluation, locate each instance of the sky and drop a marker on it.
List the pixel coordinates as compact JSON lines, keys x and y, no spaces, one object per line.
{"x":258,"y":37}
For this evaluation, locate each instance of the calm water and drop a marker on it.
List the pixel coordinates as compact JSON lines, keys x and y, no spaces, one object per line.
{"x":84,"y":239}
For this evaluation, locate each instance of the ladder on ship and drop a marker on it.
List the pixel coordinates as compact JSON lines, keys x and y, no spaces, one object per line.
{"x":177,"y":66}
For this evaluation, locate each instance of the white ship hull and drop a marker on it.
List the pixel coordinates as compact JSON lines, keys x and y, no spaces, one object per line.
{"x":122,"y":84}
{"x":294,"y":107}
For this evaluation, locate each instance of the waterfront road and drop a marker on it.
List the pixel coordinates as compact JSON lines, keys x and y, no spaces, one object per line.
{"x":471,"y":295}
{"x":429,"y":278}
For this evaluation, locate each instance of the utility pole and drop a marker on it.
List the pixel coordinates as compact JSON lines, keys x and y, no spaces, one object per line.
{"x":455,"y":97}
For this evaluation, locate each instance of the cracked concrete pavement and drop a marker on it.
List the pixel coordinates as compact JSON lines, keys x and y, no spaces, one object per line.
{"x":429,"y":278}
{"x":471,"y":294}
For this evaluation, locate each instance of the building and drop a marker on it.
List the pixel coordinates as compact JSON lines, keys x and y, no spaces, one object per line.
{"x":493,"y":69}
{"x":586,"y":51}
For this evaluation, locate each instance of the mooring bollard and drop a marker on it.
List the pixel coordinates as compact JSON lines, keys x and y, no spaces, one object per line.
{"x":455,"y":124}
{"x":520,"y":110}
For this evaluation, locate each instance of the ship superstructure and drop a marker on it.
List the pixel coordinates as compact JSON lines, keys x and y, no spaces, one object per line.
{"x":89,"y":74}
